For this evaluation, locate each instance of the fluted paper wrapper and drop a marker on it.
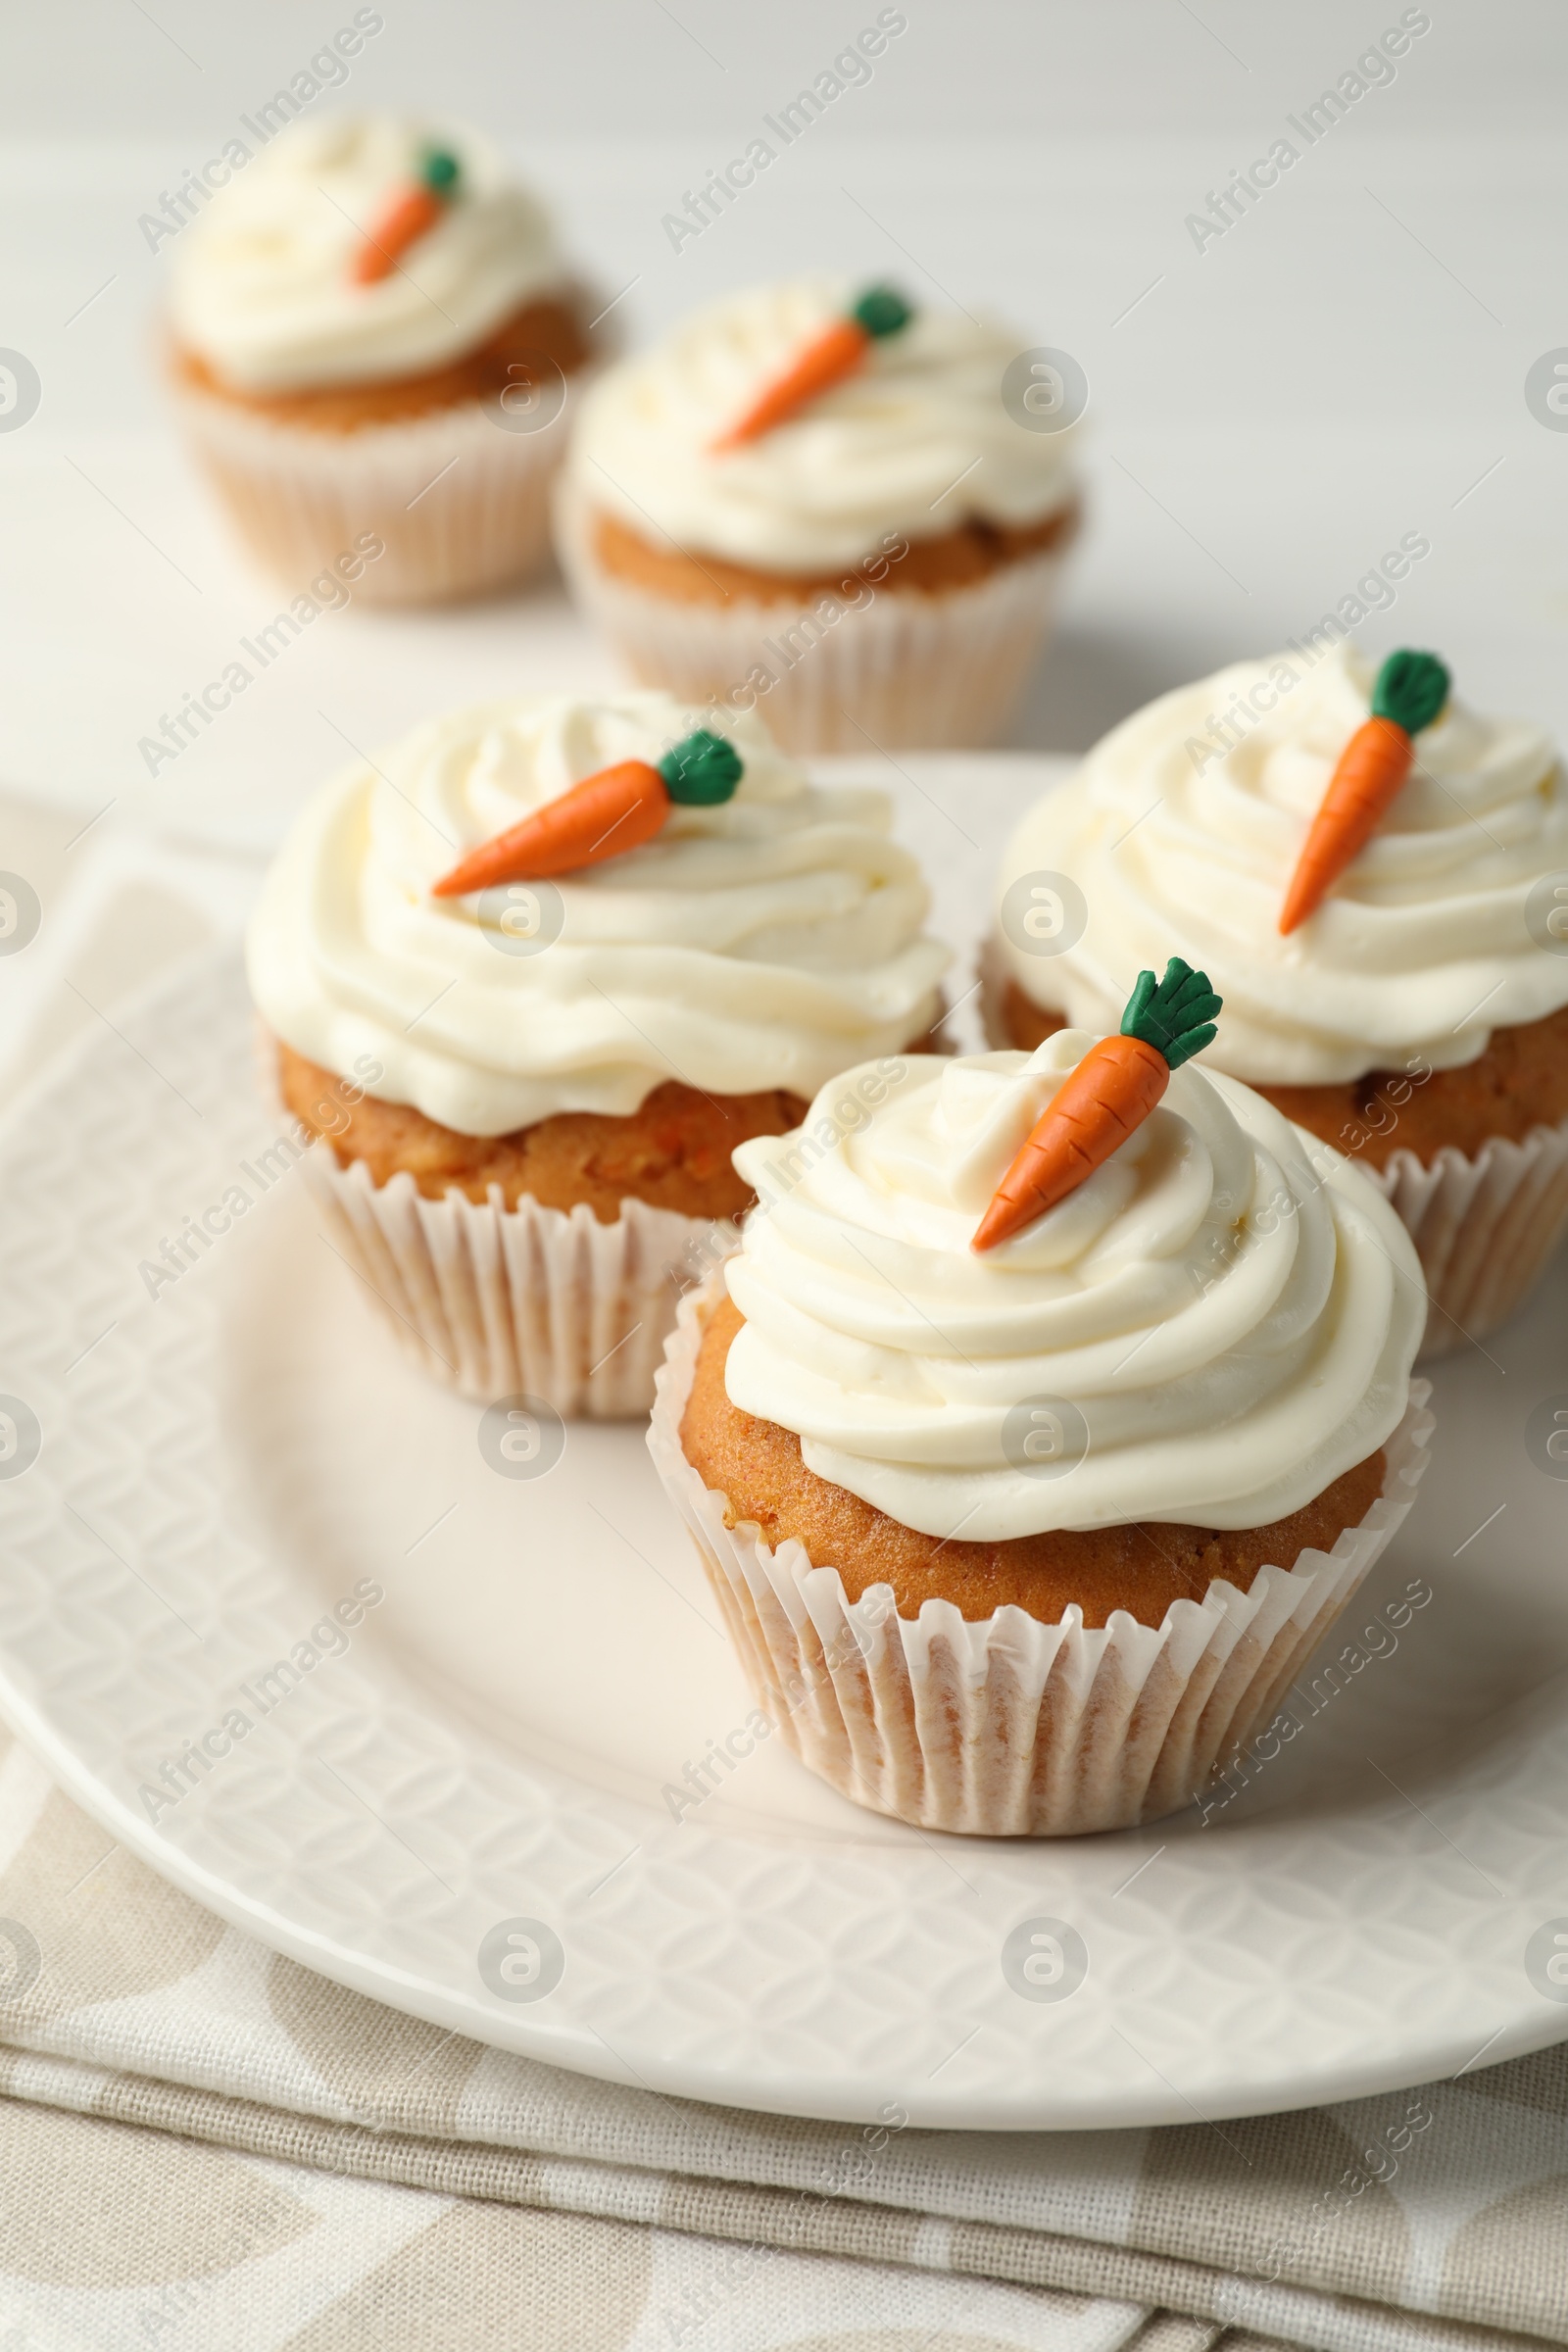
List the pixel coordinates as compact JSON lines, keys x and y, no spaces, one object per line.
{"x":1484,"y":1225}
{"x":1483,"y":1228}
{"x":460,"y":504}
{"x":1011,"y":1728}
{"x":495,"y":1301}
{"x":907,"y":670}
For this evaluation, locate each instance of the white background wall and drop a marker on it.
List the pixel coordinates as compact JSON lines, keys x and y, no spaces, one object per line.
{"x":1343,"y":367}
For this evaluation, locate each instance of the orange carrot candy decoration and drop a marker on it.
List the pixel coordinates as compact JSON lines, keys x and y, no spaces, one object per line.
{"x":1411,"y":691}
{"x":836,"y":353}
{"x":1105,"y":1099}
{"x":617,"y":810}
{"x":411,"y":214}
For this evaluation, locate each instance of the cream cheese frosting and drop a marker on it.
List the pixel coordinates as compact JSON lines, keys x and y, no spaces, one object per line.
{"x":1181,"y":846}
{"x":918,"y":441}
{"x":1218,"y":1324}
{"x":262,"y":284}
{"x":767,"y":941}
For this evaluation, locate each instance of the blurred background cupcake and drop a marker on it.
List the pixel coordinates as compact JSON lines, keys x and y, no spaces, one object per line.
{"x":815,"y":500}
{"x":1022,"y":1542}
{"x":1416,"y":1017}
{"x":372,"y":334}
{"x":531,"y":1089}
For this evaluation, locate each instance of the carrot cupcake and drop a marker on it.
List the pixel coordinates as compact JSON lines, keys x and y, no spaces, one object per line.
{"x":372,"y":336}
{"x":1042,"y":1425}
{"x":815,"y":500}
{"x":1367,"y":869}
{"x":534,"y":976}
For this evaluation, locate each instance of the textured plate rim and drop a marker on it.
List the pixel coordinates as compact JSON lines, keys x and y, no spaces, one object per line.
{"x":1138,"y":2100}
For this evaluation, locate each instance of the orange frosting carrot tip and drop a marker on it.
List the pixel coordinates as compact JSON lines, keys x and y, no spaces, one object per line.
{"x":616,"y":809}
{"x":619,"y":809}
{"x":830,"y":355}
{"x":1105,"y":1099}
{"x":411,"y":214}
{"x":1409,"y":692}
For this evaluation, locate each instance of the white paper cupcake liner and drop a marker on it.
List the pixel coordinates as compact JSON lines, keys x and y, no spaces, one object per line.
{"x":1011,"y":1728}
{"x":460,"y":504}
{"x":1483,"y":1228}
{"x":1484,"y":1225}
{"x":495,"y":1301}
{"x":907,"y":670}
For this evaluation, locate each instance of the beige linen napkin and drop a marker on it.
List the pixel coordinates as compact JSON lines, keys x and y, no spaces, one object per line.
{"x":203,"y":2144}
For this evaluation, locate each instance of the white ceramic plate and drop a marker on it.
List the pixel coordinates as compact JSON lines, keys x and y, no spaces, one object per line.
{"x":490,"y":1743}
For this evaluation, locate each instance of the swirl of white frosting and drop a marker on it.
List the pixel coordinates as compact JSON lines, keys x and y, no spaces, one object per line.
{"x":1420,"y":950}
{"x":1228,"y":1304}
{"x":264,"y":287}
{"x":767,"y":941}
{"x":916,"y":442}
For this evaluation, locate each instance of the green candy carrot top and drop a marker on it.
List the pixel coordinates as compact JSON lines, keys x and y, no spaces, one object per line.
{"x":1408,"y":695}
{"x":1099,"y":1104}
{"x":831,"y":356}
{"x":616,"y":809}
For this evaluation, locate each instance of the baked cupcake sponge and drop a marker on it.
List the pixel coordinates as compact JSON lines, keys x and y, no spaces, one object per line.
{"x":546,"y":328}
{"x":673,"y":1152}
{"x":1140,"y":1568}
